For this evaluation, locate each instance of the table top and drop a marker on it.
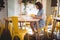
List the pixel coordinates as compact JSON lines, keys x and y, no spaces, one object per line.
{"x":24,"y":19}
{"x":57,"y":18}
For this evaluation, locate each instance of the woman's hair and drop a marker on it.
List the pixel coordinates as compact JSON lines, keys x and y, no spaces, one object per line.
{"x":39,"y":5}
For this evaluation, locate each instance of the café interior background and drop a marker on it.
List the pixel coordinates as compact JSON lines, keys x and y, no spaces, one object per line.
{"x":12,"y":7}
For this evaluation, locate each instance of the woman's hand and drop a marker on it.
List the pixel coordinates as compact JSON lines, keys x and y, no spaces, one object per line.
{"x":38,"y":17}
{"x":33,"y":15}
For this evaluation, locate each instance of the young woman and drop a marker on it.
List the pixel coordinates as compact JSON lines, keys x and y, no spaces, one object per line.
{"x":39,"y":15}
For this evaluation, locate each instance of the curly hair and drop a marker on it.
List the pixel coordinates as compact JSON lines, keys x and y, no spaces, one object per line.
{"x":39,"y":5}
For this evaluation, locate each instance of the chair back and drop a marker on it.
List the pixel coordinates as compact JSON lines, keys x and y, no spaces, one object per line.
{"x":0,"y":28}
{"x":49,"y":20}
{"x":49,"y":23}
{"x":15,"y":23}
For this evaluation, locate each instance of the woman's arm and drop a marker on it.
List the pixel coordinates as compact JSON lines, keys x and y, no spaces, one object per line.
{"x":38,"y":17}
{"x":39,"y":14}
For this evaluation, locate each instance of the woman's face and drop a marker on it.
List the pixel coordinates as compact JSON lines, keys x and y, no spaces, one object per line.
{"x":37,"y":7}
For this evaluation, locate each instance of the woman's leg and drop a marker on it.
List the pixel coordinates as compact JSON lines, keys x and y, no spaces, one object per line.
{"x":32,"y":26}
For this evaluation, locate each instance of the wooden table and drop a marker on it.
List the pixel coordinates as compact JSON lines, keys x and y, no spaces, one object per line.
{"x":21,"y":19}
{"x":56,"y":19}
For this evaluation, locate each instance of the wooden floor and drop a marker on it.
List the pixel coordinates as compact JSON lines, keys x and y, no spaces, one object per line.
{"x":35,"y":36}
{"x":43,"y":37}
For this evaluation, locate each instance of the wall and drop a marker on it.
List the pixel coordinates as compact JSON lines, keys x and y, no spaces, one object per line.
{"x":48,"y":7}
{"x":11,"y":7}
{"x":44,"y":2}
{"x":3,"y":12}
{"x":17,"y":8}
{"x":59,"y":7}
{"x":14,"y":8}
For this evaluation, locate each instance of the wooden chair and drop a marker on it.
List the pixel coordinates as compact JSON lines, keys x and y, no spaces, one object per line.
{"x":2,"y":26}
{"x":5,"y":33}
{"x":49,"y":23}
{"x":57,"y":28}
{"x":57,"y":25}
{"x":16,"y":32}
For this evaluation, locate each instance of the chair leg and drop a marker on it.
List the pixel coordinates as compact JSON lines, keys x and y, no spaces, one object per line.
{"x":16,"y":38}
